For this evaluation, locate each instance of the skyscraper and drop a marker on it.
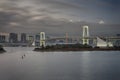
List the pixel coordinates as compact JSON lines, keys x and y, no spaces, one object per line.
{"x":13,"y":38}
{"x":37,"y":40}
{"x":23,"y":38}
{"x":30,"y":40}
{"x":2,"y":38}
{"x":117,"y":42}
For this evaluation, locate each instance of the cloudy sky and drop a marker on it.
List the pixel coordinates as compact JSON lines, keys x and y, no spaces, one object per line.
{"x":60,"y":16}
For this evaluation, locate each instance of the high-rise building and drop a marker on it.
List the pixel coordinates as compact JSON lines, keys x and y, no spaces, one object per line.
{"x":13,"y":38}
{"x":117,"y":42}
{"x":23,"y":38}
{"x":30,"y":40}
{"x":37,"y":40}
{"x":2,"y":38}
{"x":66,"y":36}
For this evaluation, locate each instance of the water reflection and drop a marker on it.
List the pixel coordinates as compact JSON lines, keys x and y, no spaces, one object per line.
{"x":24,"y":64}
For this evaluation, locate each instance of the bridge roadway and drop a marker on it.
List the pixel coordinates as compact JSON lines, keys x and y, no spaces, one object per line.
{"x":61,"y":38}
{"x":104,"y":38}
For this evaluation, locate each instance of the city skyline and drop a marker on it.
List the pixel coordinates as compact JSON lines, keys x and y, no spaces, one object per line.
{"x":60,"y":16}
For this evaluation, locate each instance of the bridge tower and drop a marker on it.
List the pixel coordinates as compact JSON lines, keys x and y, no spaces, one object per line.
{"x":42,"y":39}
{"x":85,"y":35}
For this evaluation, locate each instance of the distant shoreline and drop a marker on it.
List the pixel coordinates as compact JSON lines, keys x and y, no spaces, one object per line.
{"x":76,"y":49}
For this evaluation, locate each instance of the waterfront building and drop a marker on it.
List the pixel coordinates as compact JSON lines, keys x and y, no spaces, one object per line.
{"x":66,"y":36}
{"x":37,"y":40}
{"x":13,"y":38}
{"x":30,"y":40}
{"x":117,"y":42}
{"x":2,"y":38}
{"x":103,"y":43}
{"x":23,"y":38}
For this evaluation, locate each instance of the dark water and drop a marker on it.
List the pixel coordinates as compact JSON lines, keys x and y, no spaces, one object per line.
{"x":24,"y":64}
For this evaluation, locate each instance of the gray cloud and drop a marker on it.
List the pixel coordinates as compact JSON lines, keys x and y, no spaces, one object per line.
{"x":54,"y":17}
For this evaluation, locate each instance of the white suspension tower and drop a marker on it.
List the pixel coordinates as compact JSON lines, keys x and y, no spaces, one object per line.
{"x":42,"y":39}
{"x":85,"y":35}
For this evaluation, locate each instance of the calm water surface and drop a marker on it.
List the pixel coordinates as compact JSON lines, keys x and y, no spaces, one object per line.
{"x":24,"y":64}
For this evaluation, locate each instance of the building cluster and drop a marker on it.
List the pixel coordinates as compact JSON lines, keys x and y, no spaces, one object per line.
{"x":11,"y":38}
{"x":22,"y":39}
{"x":17,"y":39}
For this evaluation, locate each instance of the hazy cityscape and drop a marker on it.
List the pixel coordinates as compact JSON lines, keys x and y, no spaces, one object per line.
{"x":33,"y":40}
{"x":59,"y":39}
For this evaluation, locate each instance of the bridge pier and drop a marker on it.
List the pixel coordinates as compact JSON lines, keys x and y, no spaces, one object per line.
{"x":85,"y":35}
